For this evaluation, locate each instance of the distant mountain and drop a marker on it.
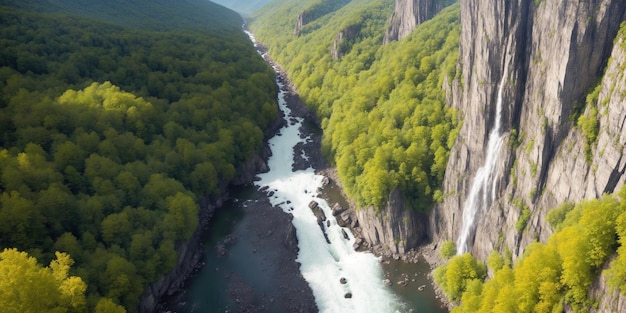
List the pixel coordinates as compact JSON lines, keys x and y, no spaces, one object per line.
{"x":244,"y":7}
{"x":161,"y":15}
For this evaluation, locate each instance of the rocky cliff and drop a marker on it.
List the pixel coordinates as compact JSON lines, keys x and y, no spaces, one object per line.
{"x":343,"y":41}
{"x":394,"y":229}
{"x":547,"y":55}
{"x":548,"y":58}
{"x":315,"y":11}
{"x":407,"y":14}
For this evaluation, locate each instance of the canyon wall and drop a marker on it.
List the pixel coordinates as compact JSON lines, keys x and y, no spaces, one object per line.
{"x":407,"y":14}
{"x":549,"y":55}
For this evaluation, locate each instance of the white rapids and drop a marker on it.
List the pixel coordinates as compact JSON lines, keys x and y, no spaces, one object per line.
{"x":322,"y":264}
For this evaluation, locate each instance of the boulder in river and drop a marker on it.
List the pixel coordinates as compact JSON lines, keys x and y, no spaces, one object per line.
{"x":345,"y":234}
{"x":343,"y":280}
{"x":358,"y":243}
{"x":338,"y":209}
{"x":313,"y":205}
{"x":348,"y":295}
{"x":344,"y":219}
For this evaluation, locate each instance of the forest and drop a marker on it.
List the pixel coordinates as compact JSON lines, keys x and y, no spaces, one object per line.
{"x":113,"y":132}
{"x":382,"y":107}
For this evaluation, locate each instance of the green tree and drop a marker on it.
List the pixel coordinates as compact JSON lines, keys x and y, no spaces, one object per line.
{"x":26,"y":286}
{"x":448,"y":249}
{"x":181,"y":220}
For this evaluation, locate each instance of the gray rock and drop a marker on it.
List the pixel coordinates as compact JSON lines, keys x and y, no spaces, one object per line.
{"x":396,"y":227}
{"x":408,"y":14}
{"x":338,"y":209}
{"x":550,"y":55}
{"x":345,"y":234}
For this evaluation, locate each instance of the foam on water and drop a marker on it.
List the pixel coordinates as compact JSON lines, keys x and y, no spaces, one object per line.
{"x":323,"y":264}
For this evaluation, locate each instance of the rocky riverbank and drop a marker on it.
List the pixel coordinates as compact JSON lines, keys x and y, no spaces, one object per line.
{"x":275,"y":242}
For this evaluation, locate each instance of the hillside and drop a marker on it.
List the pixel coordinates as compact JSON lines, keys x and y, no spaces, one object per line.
{"x":245,"y":7}
{"x":119,"y":129}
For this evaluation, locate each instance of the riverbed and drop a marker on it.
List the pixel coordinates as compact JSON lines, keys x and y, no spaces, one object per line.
{"x":266,"y":252}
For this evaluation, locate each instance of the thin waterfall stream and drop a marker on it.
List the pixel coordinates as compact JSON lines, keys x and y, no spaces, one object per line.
{"x":483,"y":191}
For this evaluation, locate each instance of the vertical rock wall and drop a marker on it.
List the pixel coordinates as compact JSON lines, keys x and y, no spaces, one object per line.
{"x":410,"y":13}
{"x":395,"y":229}
{"x":554,"y":52}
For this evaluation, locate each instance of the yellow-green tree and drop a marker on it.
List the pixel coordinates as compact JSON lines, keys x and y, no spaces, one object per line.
{"x":26,"y":286}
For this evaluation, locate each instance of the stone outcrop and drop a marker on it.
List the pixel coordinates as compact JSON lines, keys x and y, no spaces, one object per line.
{"x":394,"y":228}
{"x":343,"y":41}
{"x":407,"y":14}
{"x":608,"y":299}
{"x":315,"y":11}
{"x":189,"y":256}
{"x":303,"y":19}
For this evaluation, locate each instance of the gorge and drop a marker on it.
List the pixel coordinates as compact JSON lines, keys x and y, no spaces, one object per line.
{"x":484,"y":136}
{"x":556,"y":70}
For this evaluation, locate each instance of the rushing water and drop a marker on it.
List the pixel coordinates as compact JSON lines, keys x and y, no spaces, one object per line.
{"x":323,"y":265}
{"x":483,"y":191}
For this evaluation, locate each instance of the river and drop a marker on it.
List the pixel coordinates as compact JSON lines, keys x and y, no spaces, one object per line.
{"x":340,"y":278}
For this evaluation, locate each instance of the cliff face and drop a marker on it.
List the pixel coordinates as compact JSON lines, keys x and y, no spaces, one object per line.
{"x":303,"y":19}
{"x":394,"y":229}
{"x":410,"y":13}
{"x":547,"y":58}
{"x":343,"y":39}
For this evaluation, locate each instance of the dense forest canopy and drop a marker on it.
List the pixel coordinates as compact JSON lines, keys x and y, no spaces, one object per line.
{"x":157,"y":15}
{"x":111,"y":134}
{"x":382,"y":108}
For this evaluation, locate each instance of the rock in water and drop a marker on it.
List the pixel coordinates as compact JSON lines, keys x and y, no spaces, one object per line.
{"x":345,"y":234}
{"x":338,"y":209}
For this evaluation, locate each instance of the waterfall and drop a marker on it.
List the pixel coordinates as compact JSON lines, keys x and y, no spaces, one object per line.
{"x":483,"y":192}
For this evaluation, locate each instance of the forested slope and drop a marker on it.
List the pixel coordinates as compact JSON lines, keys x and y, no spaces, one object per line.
{"x":382,"y":108}
{"x":111,"y":135}
{"x":243,"y":6}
